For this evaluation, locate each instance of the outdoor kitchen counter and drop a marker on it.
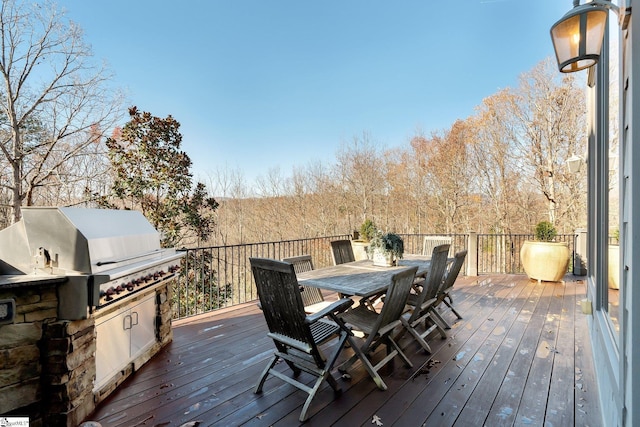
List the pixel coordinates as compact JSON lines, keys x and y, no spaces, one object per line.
{"x":26,"y":280}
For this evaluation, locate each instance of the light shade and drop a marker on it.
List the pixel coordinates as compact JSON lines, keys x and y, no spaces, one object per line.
{"x":574,"y":163}
{"x":577,"y":37}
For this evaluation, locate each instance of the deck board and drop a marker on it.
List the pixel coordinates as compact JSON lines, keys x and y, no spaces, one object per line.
{"x":519,"y":355}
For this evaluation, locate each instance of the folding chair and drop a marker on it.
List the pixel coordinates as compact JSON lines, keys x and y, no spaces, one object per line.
{"x":296,"y":335}
{"x":342,"y":251}
{"x":422,"y":304}
{"x":431,"y":242}
{"x":377,"y":328}
{"x":311,"y":297}
{"x":447,"y":284}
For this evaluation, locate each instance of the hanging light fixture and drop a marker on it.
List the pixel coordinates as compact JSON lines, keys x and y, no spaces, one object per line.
{"x":577,"y":37}
{"x":574,"y":163}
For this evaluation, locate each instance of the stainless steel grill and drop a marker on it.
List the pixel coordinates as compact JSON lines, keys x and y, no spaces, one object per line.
{"x":106,"y":255}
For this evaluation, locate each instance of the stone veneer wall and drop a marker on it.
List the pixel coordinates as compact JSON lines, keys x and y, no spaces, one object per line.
{"x":68,"y":371}
{"x":47,"y":365}
{"x":20,"y":349}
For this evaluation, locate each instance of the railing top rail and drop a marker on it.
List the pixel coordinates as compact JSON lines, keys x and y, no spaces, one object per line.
{"x":274,"y":242}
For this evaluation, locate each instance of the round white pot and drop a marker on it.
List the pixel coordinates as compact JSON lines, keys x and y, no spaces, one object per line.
{"x":614,"y":266}
{"x":547,"y":261}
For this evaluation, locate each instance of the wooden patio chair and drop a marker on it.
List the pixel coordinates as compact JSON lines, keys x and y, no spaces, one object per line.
{"x":377,"y":328}
{"x":342,"y":251}
{"x":296,"y":335}
{"x":311,"y":297}
{"x":422,"y":304}
{"x":430,"y":242}
{"x":447,"y":284}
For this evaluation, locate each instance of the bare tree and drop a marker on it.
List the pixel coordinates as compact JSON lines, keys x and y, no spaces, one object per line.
{"x":442,"y":161}
{"x":361,"y":171}
{"x":495,"y":161}
{"x":52,"y":99}
{"x":550,"y":113}
{"x":229,"y":188}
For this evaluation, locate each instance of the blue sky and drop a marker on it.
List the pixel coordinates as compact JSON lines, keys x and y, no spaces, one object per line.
{"x":259,"y":84}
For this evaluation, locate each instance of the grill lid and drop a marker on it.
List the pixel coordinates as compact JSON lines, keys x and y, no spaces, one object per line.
{"x":85,"y":241}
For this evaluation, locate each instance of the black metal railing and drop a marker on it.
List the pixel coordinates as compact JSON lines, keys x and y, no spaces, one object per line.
{"x":220,"y":276}
{"x":500,"y":253}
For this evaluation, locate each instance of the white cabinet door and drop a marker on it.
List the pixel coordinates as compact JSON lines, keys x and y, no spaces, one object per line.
{"x":143,"y":331}
{"x":122,"y":335}
{"x":112,"y":346}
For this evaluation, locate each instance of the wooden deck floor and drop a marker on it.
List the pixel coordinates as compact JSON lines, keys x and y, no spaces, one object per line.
{"x":520,"y":356}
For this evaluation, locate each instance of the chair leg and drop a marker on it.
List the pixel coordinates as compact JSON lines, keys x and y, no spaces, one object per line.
{"x":436,"y":324}
{"x":312,"y":393}
{"x":359,"y":354}
{"x":453,"y":309}
{"x":332,"y":360}
{"x":441,"y":319}
{"x":415,"y":335}
{"x":403,"y":356}
{"x":265,"y":374}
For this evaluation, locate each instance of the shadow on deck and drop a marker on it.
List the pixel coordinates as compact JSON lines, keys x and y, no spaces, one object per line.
{"x":521,"y":356}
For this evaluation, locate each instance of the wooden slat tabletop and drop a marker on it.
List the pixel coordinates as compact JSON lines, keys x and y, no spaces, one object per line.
{"x":360,"y":278}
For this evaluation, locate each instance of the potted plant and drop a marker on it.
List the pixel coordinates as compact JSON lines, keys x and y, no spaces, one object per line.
{"x":368,"y":230}
{"x":543,"y":258}
{"x":386,"y":248}
{"x":360,"y":245}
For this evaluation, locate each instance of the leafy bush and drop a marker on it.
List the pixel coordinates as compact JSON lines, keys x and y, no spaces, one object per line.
{"x":368,"y":230}
{"x":545,"y":231}
{"x":198,"y":289}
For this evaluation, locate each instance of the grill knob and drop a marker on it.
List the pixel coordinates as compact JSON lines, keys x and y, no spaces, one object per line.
{"x":119,"y":289}
{"x":129,"y":286}
{"x":156,"y":276}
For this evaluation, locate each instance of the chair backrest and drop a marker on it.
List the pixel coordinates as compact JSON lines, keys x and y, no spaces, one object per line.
{"x":280,"y":299}
{"x":454,"y":270}
{"x":395,"y":299}
{"x":432,"y":283}
{"x":431,"y":242}
{"x":302,"y":263}
{"x":342,"y":251}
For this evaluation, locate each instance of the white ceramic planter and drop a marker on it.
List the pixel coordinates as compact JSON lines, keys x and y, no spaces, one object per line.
{"x":614,"y":267}
{"x":382,"y":259}
{"x":360,"y":249}
{"x":545,"y":261}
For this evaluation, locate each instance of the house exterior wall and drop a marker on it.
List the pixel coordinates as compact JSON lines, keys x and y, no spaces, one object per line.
{"x":630,"y":223}
{"x":605,"y":347}
{"x":617,"y":356}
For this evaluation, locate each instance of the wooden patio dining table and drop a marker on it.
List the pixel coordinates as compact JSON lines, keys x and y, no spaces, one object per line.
{"x":361,"y":278}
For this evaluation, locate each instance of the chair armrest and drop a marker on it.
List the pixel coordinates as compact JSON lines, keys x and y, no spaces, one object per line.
{"x":336,"y":307}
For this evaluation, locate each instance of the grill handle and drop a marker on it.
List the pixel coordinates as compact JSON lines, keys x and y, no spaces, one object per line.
{"x":101,"y":263}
